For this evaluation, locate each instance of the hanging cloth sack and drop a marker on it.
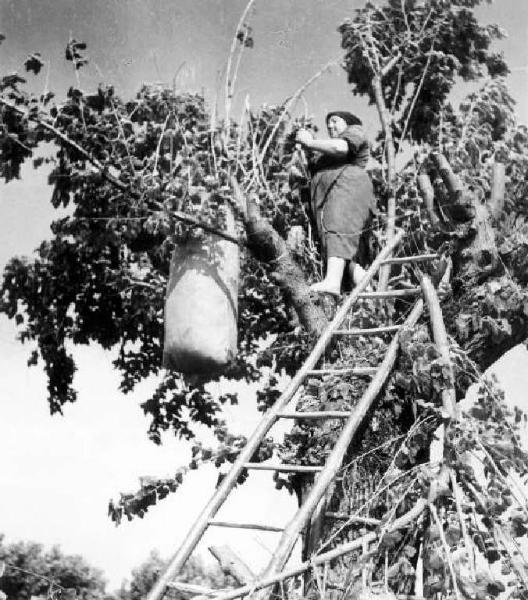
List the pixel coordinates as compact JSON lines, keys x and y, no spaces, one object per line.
{"x":202,"y":303}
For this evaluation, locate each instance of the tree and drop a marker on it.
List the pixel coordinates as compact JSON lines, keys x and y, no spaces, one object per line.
{"x":31,"y":571}
{"x":162,"y":164}
{"x":195,"y":572}
{"x":405,"y":56}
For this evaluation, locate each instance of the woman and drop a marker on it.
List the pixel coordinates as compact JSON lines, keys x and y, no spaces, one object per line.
{"x":342,"y":197}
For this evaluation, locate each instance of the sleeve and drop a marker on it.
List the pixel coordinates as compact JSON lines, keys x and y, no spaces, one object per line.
{"x":356,"y":140}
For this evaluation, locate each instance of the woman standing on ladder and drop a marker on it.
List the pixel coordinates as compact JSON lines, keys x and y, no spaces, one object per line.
{"x":342,"y":198}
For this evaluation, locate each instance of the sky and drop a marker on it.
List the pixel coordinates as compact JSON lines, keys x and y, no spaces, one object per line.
{"x":58,"y":473}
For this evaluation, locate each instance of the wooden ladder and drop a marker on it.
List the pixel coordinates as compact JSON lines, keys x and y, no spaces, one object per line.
{"x":325,"y":474}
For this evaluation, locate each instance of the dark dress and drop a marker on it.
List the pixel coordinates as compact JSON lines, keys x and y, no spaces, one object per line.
{"x":342,"y":198}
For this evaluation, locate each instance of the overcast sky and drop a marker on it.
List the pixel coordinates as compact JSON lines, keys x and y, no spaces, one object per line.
{"x":58,"y":473}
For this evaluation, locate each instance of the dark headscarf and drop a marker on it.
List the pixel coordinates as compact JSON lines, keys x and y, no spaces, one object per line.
{"x":348,"y":117}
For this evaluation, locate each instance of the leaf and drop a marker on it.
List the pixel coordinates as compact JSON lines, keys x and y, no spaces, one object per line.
{"x":206,"y":453}
{"x":73,"y":54}
{"x":34,"y":63}
{"x":45,"y":98}
{"x":479,"y":413}
{"x":495,"y":588}
{"x":11,"y":80}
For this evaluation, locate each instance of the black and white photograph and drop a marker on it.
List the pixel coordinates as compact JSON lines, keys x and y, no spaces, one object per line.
{"x":264,"y":299}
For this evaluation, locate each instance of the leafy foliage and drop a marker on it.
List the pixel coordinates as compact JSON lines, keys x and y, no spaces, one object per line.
{"x":31,"y":571}
{"x":102,"y":277}
{"x":431,"y":43}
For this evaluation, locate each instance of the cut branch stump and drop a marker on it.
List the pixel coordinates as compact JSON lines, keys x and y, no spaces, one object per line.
{"x":231,"y":564}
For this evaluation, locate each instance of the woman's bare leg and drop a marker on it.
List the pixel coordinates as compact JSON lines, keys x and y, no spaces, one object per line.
{"x":331,"y":284}
{"x":358,"y":272}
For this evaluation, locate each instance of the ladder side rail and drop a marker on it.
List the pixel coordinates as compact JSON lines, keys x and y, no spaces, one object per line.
{"x":200,"y":525}
{"x":335,"y":459}
{"x":401,"y":260}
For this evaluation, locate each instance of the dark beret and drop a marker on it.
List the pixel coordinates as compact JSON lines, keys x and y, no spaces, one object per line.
{"x":348,"y":117}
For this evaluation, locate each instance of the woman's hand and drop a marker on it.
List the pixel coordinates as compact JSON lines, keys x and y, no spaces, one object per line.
{"x":304,"y":137}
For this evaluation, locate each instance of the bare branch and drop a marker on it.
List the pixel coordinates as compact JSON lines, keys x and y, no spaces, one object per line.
{"x":229,"y":85}
{"x":416,"y":95}
{"x":390,"y":64}
{"x":290,"y":102}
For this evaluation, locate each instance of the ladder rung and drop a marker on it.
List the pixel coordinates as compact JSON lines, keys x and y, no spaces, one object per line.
{"x":369,"y":331}
{"x":405,"y":259}
{"x":234,"y":525}
{"x":319,"y":414}
{"x":350,"y":371}
{"x":191,"y":589}
{"x":392,"y":293}
{"x":352,"y":519}
{"x":283,"y":468}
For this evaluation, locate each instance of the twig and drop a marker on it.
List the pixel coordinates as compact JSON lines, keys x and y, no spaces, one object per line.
{"x":408,"y":436}
{"x":405,"y":16}
{"x":419,"y":570}
{"x":397,"y":91}
{"x":513,"y":554}
{"x":432,"y":510}
{"x":46,"y":82}
{"x":375,"y":495}
{"x":245,"y":111}
{"x":415,"y":97}
{"x":78,"y":79}
{"x":158,"y":147}
{"x":385,"y":529}
{"x":122,"y":133}
{"x":523,"y":502}
{"x":457,"y":495}
{"x":290,"y":102}
{"x":230,"y":84}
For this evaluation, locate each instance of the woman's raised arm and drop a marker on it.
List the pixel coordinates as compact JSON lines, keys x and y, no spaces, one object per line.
{"x":332,"y":147}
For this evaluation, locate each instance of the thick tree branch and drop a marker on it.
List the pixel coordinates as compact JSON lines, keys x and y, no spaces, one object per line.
{"x":269,"y":247}
{"x":498,"y":189}
{"x":390,"y":152}
{"x":231,"y":564}
{"x":427,"y":192}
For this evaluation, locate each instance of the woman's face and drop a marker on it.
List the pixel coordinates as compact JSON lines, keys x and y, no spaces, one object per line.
{"x":336,"y":125}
